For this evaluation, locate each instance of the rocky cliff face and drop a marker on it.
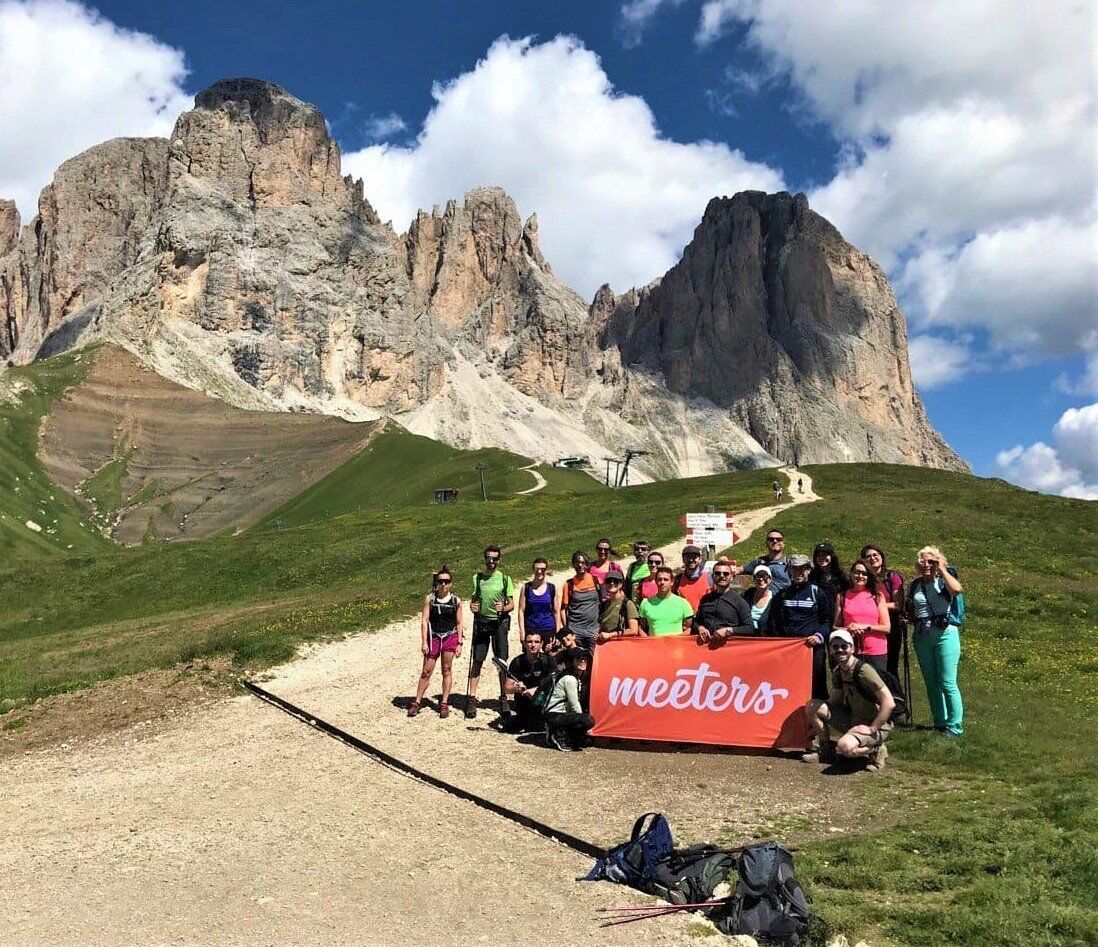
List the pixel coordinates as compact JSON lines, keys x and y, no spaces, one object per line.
{"x":771,"y":314}
{"x":235,"y":259}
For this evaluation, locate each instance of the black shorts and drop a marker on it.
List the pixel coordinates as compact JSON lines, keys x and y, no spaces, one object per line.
{"x":494,"y":632}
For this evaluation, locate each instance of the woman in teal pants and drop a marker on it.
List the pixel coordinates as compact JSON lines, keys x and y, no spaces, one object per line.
{"x":937,"y":642}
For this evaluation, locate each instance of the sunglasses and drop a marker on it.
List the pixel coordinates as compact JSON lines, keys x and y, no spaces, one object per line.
{"x":859,"y":572}
{"x":491,"y":558}
{"x":721,"y":575}
{"x":840,"y":646}
{"x":444,"y":581}
{"x":774,"y":539}
{"x":655,"y":562}
{"x":602,"y":549}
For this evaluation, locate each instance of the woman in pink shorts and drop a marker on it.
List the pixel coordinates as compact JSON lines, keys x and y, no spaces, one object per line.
{"x":441,"y":630}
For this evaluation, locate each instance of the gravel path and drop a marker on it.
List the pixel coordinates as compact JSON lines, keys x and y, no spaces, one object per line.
{"x":234,"y":823}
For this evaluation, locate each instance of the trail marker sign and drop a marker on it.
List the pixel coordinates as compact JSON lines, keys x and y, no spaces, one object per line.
{"x":710,"y":529}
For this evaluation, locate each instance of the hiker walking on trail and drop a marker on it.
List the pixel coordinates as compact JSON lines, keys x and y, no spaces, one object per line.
{"x":491,"y":605}
{"x":803,"y":611}
{"x":891,"y":583}
{"x":580,"y":598}
{"x":441,"y":629}
{"x":760,"y":597}
{"x":665,"y":613}
{"x":618,"y":617}
{"x":935,"y":607}
{"x":693,"y":582}
{"x":537,"y":604}
{"x":638,"y":569}
{"x":566,"y":723}
{"x":723,"y":612}
{"x":777,"y":490}
{"x":773,"y":559}
{"x":800,"y":484}
{"x":863,"y":611}
{"x":856,"y":718}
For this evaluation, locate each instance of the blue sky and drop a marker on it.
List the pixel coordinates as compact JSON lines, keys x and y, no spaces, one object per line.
{"x":972,"y":182}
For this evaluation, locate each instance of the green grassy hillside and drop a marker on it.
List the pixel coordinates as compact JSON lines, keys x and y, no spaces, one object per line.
{"x":1000,"y":846}
{"x":401,"y":469}
{"x":26,"y":493}
{"x":254,"y":597}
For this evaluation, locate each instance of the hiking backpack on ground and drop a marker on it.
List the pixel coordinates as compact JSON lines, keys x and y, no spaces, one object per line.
{"x":634,"y":862}
{"x":690,"y":875}
{"x":895,"y":688}
{"x":768,"y":902}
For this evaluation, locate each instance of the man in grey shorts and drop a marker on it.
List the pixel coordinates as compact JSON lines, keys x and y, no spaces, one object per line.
{"x":855,"y":720}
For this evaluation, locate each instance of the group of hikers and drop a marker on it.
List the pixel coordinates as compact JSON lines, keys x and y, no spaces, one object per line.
{"x":855,"y":621}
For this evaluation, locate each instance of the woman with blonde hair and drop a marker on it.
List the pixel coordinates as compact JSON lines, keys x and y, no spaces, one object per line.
{"x":930,"y":606}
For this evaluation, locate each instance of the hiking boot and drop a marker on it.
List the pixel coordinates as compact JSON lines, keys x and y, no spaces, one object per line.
{"x":950,"y":734}
{"x":444,"y":710}
{"x":553,"y":740}
{"x":877,"y":760}
{"x":820,"y":754}
{"x":470,"y":708}
{"x":415,"y":708}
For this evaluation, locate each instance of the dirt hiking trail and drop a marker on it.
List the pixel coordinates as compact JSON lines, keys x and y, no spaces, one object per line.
{"x":234,"y":823}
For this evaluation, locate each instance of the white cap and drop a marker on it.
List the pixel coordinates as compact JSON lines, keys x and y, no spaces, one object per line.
{"x":843,"y":635}
{"x":765,"y":569}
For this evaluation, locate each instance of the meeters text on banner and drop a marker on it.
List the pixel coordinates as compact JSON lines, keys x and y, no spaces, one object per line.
{"x":747,"y":692}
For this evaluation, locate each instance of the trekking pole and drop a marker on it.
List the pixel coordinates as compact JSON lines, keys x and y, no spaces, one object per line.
{"x":645,"y":915}
{"x":663,"y":907}
{"x":907,"y":682}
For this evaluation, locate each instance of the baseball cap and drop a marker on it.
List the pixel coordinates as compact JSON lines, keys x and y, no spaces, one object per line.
{"x":843,"y":635}
{"x":614,"y":572}
{"x":798,"y":561}
{"x":765,"y":569}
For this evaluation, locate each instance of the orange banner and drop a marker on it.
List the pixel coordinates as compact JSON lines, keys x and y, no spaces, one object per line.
{"x":748,"y":692}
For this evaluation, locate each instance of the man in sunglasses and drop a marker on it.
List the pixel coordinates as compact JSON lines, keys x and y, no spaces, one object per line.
{"x":858,"y":710}
{"x":723,"y":612}
{"x":491,"y":603}
{"x":773,"y":559}
{"x":638,"y":568}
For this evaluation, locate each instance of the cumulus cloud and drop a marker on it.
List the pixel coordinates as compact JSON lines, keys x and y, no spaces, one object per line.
{"x":971,"y":146}
{"x":1068,"y":467}
{"x":380,"y":127}
{"x":635,"y":16}
{"x":70,"y":79}
{"x":936,"y":361}
{"x":616,"y":200}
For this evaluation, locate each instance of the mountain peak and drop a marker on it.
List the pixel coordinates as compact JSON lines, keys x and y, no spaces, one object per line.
{"x":267,"y":105}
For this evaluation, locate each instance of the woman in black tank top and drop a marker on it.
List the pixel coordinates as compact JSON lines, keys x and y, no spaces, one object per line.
{"x":441,"y":629}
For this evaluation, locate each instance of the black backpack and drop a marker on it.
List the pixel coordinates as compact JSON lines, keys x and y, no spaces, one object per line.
{"x":895,"y":688}
{"x":768,"y":903}
{"x":690,"y":875}
{"x":540,"y":700}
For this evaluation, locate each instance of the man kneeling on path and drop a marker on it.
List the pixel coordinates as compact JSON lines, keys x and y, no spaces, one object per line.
{"x":859,"y":707}
{"x":524,"y":676}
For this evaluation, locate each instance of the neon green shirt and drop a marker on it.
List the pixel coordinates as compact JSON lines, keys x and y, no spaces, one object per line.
{"x":492,"y":587}
{"x":665,"y":616}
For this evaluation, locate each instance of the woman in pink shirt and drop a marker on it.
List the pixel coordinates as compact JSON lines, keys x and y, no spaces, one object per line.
{"x":863,"y":611}
{"x":604,"y":552}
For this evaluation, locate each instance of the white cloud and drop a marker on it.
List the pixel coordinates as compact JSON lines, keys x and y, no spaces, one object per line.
{"x":635,"y":16}
{"x":616,"y":200}
{"x":1069,"y":467}
{"x":971,"y":149}
{"x":70,"y":79}
{"x":936,"y":361}
{"x":380,"y":127}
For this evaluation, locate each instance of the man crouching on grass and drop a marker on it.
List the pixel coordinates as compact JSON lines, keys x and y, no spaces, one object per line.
{"x":858,"y":706}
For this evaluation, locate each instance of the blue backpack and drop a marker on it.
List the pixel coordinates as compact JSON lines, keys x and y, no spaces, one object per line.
{"x":634,"y":863}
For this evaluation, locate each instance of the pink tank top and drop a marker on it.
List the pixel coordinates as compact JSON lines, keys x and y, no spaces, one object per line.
{"x":861,"y":609}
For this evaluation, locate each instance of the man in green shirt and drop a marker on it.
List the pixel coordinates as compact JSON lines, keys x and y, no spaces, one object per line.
{"x":491,"y":603}
{"x":638,"y":568}
{"x":665,"y":613}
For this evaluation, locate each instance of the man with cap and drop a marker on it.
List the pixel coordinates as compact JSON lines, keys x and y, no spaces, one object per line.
{"x":773,"y":559}
{"x":617,"y":614}
{"x":855,"y":720}
{"x":722,"y":612}
{"x":802,"y":611}
{"x":693,"y":581}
